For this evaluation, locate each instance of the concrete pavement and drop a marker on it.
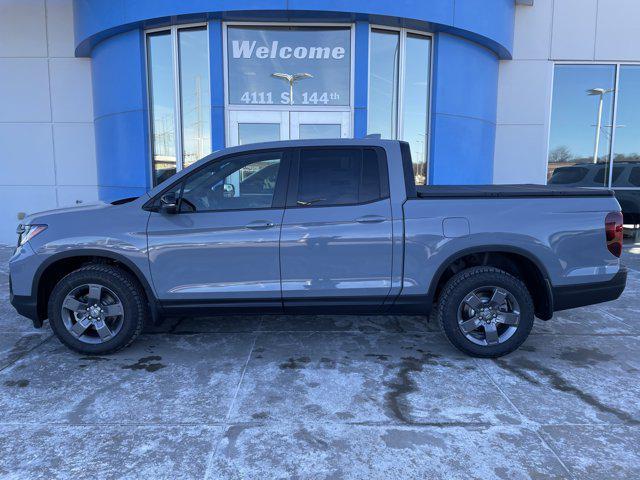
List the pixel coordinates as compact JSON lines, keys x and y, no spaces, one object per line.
{"x":325,"y":397}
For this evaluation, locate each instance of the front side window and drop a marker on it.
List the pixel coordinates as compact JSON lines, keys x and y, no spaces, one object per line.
{"x":238,"y":183}
{"x":328,"y":177}
{"x":399,"y":91}
{"x":179,"y":98}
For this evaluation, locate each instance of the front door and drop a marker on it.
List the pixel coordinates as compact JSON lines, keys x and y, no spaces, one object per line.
{"x":251,"y":126}
{"x":222,"y":245}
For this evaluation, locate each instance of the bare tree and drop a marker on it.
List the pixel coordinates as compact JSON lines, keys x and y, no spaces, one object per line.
{"x":560,"y":154}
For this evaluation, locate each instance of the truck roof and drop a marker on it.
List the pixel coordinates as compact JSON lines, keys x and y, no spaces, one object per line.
{"x":330,"y":142}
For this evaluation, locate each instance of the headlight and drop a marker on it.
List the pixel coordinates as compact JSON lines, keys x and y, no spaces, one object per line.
{"x":27,"y":232}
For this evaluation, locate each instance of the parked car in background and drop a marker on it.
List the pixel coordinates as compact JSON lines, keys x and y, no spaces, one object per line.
{"x":323,"y":226}
{"x":625,"y":179}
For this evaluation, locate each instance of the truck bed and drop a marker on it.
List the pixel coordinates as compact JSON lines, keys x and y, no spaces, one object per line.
{"x":508,"y":191}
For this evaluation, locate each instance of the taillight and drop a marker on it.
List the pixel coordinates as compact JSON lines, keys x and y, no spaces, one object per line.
{"x":614,"y":228}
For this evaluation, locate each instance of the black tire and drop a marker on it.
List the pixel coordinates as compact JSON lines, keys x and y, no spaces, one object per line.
{"x":120,"y":282}
{"x":467,"y":281}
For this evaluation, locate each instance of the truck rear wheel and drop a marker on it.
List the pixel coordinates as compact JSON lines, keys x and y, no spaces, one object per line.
{"x":97,"y":309}
{"x":486,"y":312}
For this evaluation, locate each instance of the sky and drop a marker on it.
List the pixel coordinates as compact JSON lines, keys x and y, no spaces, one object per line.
{"x":574,"y":113}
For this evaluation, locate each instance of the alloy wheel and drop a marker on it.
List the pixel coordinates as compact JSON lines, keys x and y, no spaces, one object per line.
{"x":488,"y":315}
{"x":92,"y":313}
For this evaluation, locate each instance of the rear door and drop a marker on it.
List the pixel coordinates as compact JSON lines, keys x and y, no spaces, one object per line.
{"x":336,"y":237}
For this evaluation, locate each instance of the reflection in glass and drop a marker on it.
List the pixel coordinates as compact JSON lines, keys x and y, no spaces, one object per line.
{"x":258,"y":132}
{"x":383,"y":83}
{"x":573,"y":123}
{"x":311,"y":131}
{"x":161,"y":90}
{"x":415,"y":103}
{"x":626,"y":151}
{"x":241,"y":183}
{"x":195,"y":95}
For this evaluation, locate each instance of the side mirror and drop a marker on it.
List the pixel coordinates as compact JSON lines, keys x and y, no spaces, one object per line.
{"x":169,"y":203}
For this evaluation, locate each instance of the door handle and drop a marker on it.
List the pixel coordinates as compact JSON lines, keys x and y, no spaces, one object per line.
{"x":259,"y":225}
{"x":370,"y":219}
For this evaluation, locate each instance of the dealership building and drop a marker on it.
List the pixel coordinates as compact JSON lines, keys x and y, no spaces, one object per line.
{"x":103,"y":99}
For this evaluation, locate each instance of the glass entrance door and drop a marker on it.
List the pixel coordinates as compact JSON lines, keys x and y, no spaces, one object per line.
{"x":309,"y":125}
{"x":250,"y":126}
{"x":253,"y":127}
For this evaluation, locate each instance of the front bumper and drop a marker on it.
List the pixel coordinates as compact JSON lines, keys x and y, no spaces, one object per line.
{"x":23,"y":267}
{"x":25,"y":305}
{"x":573,"y":296}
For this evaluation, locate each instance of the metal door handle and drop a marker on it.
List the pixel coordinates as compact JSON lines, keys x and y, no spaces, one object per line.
{"x":259,"y":225}
{"x":370,"y":219}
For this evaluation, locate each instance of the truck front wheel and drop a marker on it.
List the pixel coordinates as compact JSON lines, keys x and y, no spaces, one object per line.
{"x":486,"y":312}
{"x":97,"y":309}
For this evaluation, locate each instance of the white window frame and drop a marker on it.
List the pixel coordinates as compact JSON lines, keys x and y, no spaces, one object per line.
{"x":614,"y":117}
{"x":398,"y":130}
{"x":175,"y":60}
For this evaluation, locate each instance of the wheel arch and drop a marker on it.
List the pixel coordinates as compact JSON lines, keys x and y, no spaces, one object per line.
{"x":514,"y":260}
{"x":62,"y":263}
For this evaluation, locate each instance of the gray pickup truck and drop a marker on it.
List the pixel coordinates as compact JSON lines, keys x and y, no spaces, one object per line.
{"x":335,"y":226}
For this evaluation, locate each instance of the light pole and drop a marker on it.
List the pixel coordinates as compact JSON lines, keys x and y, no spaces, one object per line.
{"x":600,"y":92}
{"x":291,"y":79}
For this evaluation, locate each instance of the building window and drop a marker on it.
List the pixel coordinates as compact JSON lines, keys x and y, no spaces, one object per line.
{"x":179,"y":98}
{"x":595,"y":131}
{"x":595,"y":122}
{"x":626,"y":146}
{"x":289,"y":65}
{"x":287,"y":82}
{"x":576,"y":104}
{"x":399,"y":91}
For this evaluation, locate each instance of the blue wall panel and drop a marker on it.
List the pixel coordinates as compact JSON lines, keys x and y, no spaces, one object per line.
{"x":216,"y":71}
{"x":123,"y":161}
{"x":463,"y":112}
{"x":361,"y":79}
{"x":462,"y":151}
{"x":118,"y":74}
{"x":467,"y":78}
{"x":488,"y":22}
{"x":489,"y":18}
{"x":121,"y":117}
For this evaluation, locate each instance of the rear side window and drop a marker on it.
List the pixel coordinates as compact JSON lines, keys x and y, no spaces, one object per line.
{"x":602,"y":177}
{"x":634,"y":177}
{"x":598,"y":178}
{"x":617,"y":171}
{"x":568,"y":175}
{"x":339,"y":177}
{"x":370,"y":178}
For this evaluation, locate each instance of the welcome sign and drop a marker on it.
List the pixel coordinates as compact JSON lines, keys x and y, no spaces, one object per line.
{"x":255,"y":54}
